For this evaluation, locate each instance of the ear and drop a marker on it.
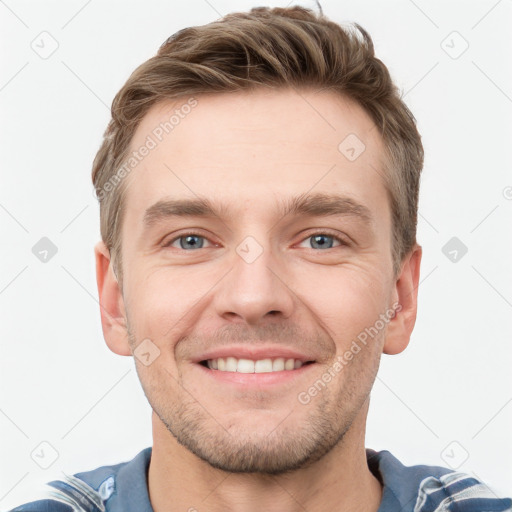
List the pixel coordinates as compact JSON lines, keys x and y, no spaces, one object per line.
{"x":405,"y":296}
{"x":112,"y":310}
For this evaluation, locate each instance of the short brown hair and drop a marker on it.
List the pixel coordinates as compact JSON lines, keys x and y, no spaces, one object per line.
{"x":280,"y":48}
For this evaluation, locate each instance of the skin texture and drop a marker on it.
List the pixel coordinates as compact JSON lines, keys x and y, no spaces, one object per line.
{"x":224,"y":446}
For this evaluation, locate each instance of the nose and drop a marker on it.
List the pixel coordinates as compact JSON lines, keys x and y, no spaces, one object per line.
{"x":254,"y":289}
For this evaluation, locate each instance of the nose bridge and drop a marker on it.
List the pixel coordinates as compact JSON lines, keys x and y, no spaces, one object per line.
{"x":253,"y":288}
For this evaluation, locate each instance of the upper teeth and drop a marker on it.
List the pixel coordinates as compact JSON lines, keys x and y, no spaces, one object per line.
{"x":232,"y":364}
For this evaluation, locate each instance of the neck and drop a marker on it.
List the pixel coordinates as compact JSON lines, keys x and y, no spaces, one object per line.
{"x":341,"y":480}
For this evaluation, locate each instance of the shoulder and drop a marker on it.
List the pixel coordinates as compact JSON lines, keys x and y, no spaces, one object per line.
{"x":468,"y":494}
{"x":43,"y":505}
{"x":423,"y":488}
{"x":104,"y":489}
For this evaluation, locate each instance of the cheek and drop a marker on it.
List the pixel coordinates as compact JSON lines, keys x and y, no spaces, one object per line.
{"x":166,"y":304}
{"x":345,"y":300}
{"x":164,"y":301}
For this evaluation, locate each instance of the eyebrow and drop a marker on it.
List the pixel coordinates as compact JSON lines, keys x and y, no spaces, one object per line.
{"x":318,"y":205}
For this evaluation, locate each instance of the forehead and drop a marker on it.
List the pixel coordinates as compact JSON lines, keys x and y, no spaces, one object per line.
{"x":236,"y":147}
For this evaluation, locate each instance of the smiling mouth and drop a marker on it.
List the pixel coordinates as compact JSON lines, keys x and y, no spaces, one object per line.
{"x":268,"y":365}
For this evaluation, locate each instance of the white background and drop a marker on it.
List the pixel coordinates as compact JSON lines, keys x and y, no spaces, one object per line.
{"x":59,"y":382}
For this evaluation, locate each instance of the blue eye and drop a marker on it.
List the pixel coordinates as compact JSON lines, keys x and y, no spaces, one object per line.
{"x":192,"y":241}
{"x":322,"y":241}
{"x":187,"y":242}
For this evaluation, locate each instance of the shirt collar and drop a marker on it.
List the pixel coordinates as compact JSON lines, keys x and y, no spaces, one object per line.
{"x":131,"y":486}
{"x":399,"y":483}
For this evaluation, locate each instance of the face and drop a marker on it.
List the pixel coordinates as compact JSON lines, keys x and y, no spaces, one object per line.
{"x":256,"y":255}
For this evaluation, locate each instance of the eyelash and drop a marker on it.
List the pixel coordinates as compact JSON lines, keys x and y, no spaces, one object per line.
{"x":336,"y":237}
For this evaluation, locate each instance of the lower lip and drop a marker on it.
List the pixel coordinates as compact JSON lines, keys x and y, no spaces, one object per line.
{"x":257,"y":379}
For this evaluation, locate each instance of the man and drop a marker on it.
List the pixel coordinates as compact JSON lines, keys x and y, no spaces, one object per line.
{"x":275,"y":144}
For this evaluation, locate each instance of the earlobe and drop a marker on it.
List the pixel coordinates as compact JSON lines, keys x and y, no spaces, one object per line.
{"x":112,"y":310}
{"x":406,"y":295}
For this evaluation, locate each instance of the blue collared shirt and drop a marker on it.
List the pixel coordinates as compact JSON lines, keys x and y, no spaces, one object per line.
{"x":124,"y":488}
